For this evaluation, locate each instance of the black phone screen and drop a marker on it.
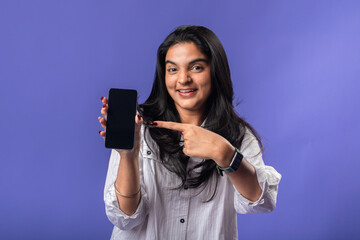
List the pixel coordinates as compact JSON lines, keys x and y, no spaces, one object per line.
{"x":120,"y":125}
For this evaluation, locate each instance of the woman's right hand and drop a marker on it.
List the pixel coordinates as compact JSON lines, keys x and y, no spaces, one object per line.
{"x":138,"y":122}
{"x":127,"y":182}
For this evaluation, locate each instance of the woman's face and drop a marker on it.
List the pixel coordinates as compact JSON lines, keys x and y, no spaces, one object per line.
{"x":187,"y":77}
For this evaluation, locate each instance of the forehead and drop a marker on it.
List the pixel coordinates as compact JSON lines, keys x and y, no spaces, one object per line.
{"x":186,"y":51}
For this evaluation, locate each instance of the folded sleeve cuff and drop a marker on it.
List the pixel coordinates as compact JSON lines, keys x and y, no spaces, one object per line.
{"x":268,"y":179}
{"x":118,"y":217}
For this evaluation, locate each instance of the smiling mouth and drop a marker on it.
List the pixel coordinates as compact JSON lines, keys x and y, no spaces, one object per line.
{"x":187,"y":90}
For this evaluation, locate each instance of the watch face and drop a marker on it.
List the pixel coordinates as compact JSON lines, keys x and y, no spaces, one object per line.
{"x":235,"y":164}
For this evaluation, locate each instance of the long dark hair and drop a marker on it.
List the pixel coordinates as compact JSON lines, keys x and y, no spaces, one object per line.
{"x":220,"y":115}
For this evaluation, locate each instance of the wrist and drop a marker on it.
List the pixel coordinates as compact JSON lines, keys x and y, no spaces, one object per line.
{"x":226,"y":154}
{"x":128,"y":154}
{"x":234,"y":164}
{"x":129,"y":161}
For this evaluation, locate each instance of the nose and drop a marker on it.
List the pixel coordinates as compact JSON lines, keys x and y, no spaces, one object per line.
{"x":184,"y":78}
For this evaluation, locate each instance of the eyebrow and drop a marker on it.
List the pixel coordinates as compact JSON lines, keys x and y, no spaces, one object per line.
{"x":193,"y":61}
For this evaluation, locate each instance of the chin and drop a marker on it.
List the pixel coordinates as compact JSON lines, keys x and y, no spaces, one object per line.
{"x":188,"y":107}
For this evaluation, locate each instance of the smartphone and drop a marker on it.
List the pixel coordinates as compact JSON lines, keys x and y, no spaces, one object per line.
{"x":120,"y":123}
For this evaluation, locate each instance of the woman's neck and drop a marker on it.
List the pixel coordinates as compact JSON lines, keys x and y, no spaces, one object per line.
{"x":191,"y":117}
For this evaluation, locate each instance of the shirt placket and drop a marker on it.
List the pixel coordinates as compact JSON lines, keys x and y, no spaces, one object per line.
{"x":183,"y":215}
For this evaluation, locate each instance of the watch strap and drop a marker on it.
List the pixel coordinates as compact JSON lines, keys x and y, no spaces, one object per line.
{"x":234,"y":165}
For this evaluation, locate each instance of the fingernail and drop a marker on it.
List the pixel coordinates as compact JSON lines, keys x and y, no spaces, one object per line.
{"x":153,"y":124}
{"x":139,"y":117}
{"x":99,"y":132}
{"x":181,"y":133}
{"x":104,"y":105}
{"x":102,"y":98}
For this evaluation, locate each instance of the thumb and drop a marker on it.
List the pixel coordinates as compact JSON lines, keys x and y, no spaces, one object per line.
{"x":138,"y":122}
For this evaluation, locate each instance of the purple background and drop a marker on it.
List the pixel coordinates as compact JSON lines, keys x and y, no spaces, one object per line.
{"x":295,"y":67}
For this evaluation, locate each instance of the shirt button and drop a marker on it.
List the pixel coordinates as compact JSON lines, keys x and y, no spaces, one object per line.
{"x":148,"y":152}
{"x":182,"y":220}
{"x":186,"y":187}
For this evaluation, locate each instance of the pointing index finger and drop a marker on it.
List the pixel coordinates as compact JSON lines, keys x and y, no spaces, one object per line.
{"x":171,"y":125}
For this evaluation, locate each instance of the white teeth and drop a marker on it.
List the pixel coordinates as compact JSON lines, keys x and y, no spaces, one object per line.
{"x":186,"y":91}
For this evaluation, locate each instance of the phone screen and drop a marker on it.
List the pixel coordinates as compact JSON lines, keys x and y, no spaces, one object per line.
{"x":120,"y":125}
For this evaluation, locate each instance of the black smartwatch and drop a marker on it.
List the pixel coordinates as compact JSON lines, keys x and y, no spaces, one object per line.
{"x":234,"y":165}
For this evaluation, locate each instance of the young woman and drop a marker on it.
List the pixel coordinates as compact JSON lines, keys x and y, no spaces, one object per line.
{"x":195,"y":163}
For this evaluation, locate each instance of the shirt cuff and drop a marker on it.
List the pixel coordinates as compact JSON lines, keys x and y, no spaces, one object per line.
{"x":248,"y":202}
{"x":265,"y":180}
{"x":118,"y":217}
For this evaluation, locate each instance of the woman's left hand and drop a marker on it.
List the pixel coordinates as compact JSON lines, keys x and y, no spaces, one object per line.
{"x":202,"y":143}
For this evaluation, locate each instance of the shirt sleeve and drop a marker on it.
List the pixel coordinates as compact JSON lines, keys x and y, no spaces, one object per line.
{"x":117,"y":217}
{"x":267,"y":176}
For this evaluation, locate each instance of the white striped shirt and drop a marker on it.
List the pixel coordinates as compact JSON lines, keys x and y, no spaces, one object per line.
{"x":164,"y":213}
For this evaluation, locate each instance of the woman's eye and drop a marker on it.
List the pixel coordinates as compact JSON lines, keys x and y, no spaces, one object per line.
{"x":171,"y":69}
{"x":197,"y":68}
